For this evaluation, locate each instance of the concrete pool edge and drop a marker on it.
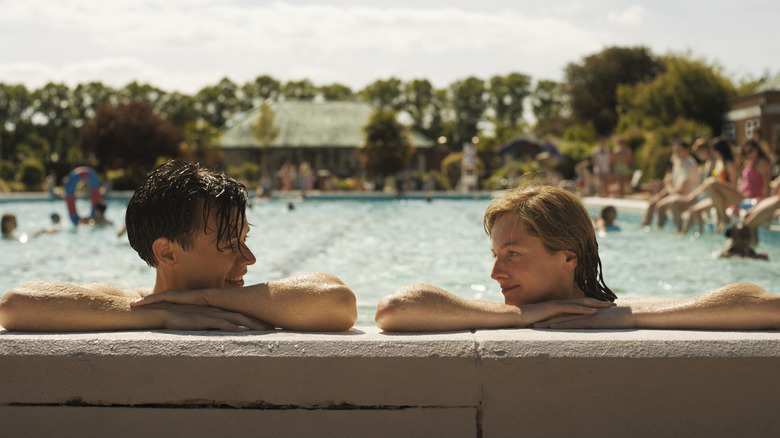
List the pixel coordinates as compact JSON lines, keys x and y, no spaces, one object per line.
{"x":482,"y":383}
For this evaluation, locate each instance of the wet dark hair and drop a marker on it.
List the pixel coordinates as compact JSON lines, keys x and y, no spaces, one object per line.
{"x":176,"y":201}
{"x":722,"y":146}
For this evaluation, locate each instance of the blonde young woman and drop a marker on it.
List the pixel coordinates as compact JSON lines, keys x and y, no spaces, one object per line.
{"x":549,"y":271}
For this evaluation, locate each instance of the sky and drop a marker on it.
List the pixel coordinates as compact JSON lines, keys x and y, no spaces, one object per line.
{"x":185,"y":45}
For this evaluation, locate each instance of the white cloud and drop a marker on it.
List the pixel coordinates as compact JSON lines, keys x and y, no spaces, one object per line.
{"x":280,"y":26}
{"x":114,"y":72}
{"x":633,"y":16}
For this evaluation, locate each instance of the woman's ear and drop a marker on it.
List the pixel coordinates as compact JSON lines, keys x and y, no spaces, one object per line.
{"x":570,"y":260}
{"x":164,"y":251}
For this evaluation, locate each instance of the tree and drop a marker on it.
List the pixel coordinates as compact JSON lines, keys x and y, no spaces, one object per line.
{"x":300,"y":90}
{"x":507,"y":94}
{"x":218,"y":103}
{"x":262,"y":88}
{"x":144,"y":92}
{"x":56,"y":118}
{"x":129,"y":136}
{"x":15,"y":122}
{"x":469,"y":103}
{"x":179,"y":109}
{"x":336,"y":92}
{"x":688,"y":88}
{"x":264,"y":129}
{"x":86,"y":97}
{"x":199,"y":144}
{"x":592,"y":84}
{"x":388,"y":147}
{"x":547,"y":102}
{"x":384,"y":94}
{"x":418,"y":98}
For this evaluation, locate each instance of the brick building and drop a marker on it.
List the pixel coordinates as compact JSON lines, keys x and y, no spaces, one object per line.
{"x":760,"y":110}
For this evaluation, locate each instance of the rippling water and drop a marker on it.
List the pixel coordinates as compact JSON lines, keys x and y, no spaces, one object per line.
{"x":376,"y":247}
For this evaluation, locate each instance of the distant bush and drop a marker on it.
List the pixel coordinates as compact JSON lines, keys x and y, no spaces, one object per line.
{"x":31,"y":174}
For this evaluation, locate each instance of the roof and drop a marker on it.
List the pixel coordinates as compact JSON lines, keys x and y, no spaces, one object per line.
{"x":772,"y":84}
{"x":310,"y":124}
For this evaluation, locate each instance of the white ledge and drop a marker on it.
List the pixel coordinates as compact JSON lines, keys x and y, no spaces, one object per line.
{"x":482,"y":383}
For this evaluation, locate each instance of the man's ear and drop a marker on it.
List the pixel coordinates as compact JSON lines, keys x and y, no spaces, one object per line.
{"x":570,"y":260}
{"x":164,"y":251}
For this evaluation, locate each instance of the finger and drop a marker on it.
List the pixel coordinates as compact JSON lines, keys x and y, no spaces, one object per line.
{"x":558,"y":320}
{"x":237,"y":318}
{"x":149,"y":299}
{"x":202,"y":322}
{"x":250,"y":323}
{"x":574,"y":309}
{"x":592,"y":302}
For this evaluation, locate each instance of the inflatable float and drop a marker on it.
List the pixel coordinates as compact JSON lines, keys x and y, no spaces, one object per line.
{"x":90,"y":177}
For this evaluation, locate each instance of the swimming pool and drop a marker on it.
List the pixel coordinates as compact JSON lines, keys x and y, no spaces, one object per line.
{"x":375,"y":247}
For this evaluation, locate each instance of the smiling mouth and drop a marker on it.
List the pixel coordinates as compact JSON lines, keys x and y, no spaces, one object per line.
{"x":235,"y":282}
{"x":507,"y":289}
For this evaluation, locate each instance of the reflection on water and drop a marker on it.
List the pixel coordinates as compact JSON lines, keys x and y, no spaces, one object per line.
{"x":376,"y":247}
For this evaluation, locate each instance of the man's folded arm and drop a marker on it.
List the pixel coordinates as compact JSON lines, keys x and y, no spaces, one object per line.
{"x":51,"y":306}
{"x":305,"y":302}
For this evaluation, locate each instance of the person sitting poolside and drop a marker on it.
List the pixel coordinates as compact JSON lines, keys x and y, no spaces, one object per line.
{"x":190,"y":224}
{"x":547,"y":263}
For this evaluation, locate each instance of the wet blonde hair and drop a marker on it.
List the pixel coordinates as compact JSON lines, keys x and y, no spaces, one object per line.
{"x":561,"y":221}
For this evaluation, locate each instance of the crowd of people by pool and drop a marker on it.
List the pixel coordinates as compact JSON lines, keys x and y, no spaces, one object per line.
{"x":737,"y":187}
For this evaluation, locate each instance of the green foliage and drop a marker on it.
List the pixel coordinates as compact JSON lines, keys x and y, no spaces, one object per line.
{"x":32,"y":173}
{"x":451,"y":167}
{"x":573,"y":152}
{"x":688,"y":88}
{"x":507,"y":94}
{"x":580,"y":133}
{"x":384,"y":94}
{"x":216,"y":103}
{"x":262,"y":88}
{"x":248,"y":172}
{"x":336,"y":92}
{"x":592,"y":84}
{"x":418,"y":99}
{"x":655,"y":161}
{"x":388,"y":147}
{"x":264,"y":129}
{"x":129,"y":136}
{"x":299,"y":90}
{"x":653,"y":157}
{"x":511,"y":175}
{"x":7,"y":170}
{"x":548,"y":102}
{"x":468,"y":104}
{"x":200,"y":144}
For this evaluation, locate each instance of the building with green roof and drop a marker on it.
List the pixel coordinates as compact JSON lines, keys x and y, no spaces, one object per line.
{"x":324,"y":134}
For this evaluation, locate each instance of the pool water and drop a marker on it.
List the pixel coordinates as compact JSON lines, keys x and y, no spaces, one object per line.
{"x":375,"y":247}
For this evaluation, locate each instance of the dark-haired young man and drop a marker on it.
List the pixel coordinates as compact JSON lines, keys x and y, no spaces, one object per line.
{"x":190,"y":225}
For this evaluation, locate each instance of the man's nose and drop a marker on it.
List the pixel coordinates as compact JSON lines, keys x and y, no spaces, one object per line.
{"x":246,"y":256}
